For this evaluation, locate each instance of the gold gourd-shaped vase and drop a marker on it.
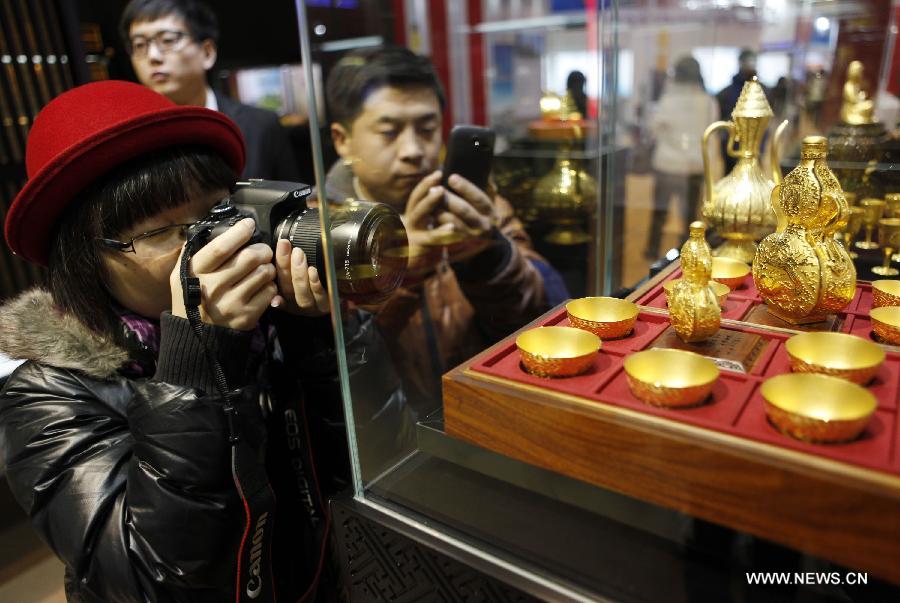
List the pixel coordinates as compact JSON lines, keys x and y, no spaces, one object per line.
{"x":801,"y":272}
{"x":737,"y":206}
{"x":693,"y":307}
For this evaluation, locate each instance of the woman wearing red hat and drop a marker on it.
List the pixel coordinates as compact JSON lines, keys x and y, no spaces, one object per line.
{"x":145,"y":479}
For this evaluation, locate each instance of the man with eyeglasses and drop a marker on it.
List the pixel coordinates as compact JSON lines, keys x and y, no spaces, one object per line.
{"x":172,"y":44}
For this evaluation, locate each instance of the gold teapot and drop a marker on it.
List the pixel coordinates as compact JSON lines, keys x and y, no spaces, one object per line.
{"x":737,"y":206}
{"x":693,"y":307}
{"x":801,"y":272}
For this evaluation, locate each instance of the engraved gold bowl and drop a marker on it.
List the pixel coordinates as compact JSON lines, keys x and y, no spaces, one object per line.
{"x":720,"y":290}
{"x":673,"y":378}
{"x":886,"y":323}
{"x":605,"y":317}
{"x":885,"y":293}
{"x":817,"y":408}
{"x":729,"y":272}
{"x":837,"y":354}
{"x":557,"y":351}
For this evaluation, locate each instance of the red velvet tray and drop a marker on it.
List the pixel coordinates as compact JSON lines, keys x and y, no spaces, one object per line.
{"x":735,"y":407}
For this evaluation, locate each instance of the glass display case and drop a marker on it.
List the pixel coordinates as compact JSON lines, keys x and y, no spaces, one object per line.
{"x":600,"y":163}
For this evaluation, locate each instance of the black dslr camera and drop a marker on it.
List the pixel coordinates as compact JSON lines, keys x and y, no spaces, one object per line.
{"x":368,"y":239}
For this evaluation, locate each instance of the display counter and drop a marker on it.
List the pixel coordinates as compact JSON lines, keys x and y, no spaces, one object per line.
{"x":721,"y":461}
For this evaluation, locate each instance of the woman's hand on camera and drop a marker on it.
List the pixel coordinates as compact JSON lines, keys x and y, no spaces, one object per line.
{"x":237,"y":281}
{"x":300,"y":289}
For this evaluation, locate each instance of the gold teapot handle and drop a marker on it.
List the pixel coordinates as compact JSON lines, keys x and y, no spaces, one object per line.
{"x":707,"y":169}
{"x":774,"y":153}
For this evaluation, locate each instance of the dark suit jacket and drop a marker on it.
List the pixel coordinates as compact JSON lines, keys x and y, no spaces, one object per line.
{"x":269,"y":151}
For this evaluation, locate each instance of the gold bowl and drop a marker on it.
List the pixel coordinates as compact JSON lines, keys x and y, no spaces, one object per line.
{"x":837,"y":354}
{"x":557,"y":351}
{"x":885,"y":293}
{"x":817,"y":408}
{"x":674,"y":378}
{"x":886,"y":323}
{"x":605,"y":317}
{"x":729,"y":272}
{"x":720,"y":290}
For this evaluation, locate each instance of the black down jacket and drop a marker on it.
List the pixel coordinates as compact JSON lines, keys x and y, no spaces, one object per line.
{"x":128,"y":478}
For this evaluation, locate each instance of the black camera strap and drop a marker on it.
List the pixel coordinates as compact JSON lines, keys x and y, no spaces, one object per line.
{"x":255,"y":580}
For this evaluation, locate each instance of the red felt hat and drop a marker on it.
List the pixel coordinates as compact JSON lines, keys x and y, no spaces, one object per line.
{"x":84,"y":133}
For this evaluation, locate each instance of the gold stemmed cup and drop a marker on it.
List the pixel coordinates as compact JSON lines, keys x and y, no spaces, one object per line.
{"x":892,"y":205}
{"x":873,"y":209}
{"x":837,"y":354}
{"x":817,"y":408}
{"x":674,"y":378}
{"x":851,"y":198}
{"x":889,"y":239}
{"x":854,"y":223}
{"x":557,"y":351}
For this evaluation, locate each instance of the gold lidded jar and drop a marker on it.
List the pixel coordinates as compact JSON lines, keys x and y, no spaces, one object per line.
{"x":693,"y":307}
{"x":737,"y":206}
{"x":801,"y":272}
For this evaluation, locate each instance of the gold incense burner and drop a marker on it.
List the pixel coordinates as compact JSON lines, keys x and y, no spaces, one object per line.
{"x":693,"y":307}
{"x":737,"y":206}
{"x":801,"y":271}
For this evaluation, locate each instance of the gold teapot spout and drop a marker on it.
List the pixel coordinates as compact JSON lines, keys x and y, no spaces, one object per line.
{"x":775,"y":153}
{"x":707,"y":168}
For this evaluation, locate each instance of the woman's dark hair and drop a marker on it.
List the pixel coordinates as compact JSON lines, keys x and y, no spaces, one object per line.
{"x":130,"y":193}
{"x":687,"y":71}
{"x":199,"y":18}
{"x":360,"y":73}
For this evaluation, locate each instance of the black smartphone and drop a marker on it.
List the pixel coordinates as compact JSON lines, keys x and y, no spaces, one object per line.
{"x":470,"y":152}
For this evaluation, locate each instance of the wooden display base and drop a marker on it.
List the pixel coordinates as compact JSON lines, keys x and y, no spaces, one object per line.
{"x":731,"y":350}
{"x":845,"y":509}
{"x":842,"y":513}
{"x":762,"y":315}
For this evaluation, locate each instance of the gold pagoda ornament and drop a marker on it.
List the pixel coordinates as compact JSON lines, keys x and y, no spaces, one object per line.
{"x":801,"y":271}
{"x":693,"y":307}
{"x":737,"y":206}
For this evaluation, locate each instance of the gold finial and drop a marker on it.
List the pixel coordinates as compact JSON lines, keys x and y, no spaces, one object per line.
{"x":752,"y":101}
{"x":814,"y":147}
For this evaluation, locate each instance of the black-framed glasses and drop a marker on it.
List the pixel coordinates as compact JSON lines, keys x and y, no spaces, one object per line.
{"x":156,"y":239}
{"x":166,"y":41}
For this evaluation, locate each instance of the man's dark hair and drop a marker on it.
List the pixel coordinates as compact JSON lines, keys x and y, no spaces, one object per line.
{"x":360,"y":73}
{"x":199,"y":18}
{"x":130,"y":193}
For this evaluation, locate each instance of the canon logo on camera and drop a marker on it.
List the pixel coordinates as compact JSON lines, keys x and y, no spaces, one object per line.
{"x":254,"y":582}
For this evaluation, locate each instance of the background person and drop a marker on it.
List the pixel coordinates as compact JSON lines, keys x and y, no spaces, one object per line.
{"x":682,"y":114}
{"x":172,"y":45}
{"x":387,"y":121}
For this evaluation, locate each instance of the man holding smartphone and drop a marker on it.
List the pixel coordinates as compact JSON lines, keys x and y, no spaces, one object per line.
{"x":475,"y":276}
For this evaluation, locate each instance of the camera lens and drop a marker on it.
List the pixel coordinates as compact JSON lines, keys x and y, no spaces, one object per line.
{"x":369,"y":243}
